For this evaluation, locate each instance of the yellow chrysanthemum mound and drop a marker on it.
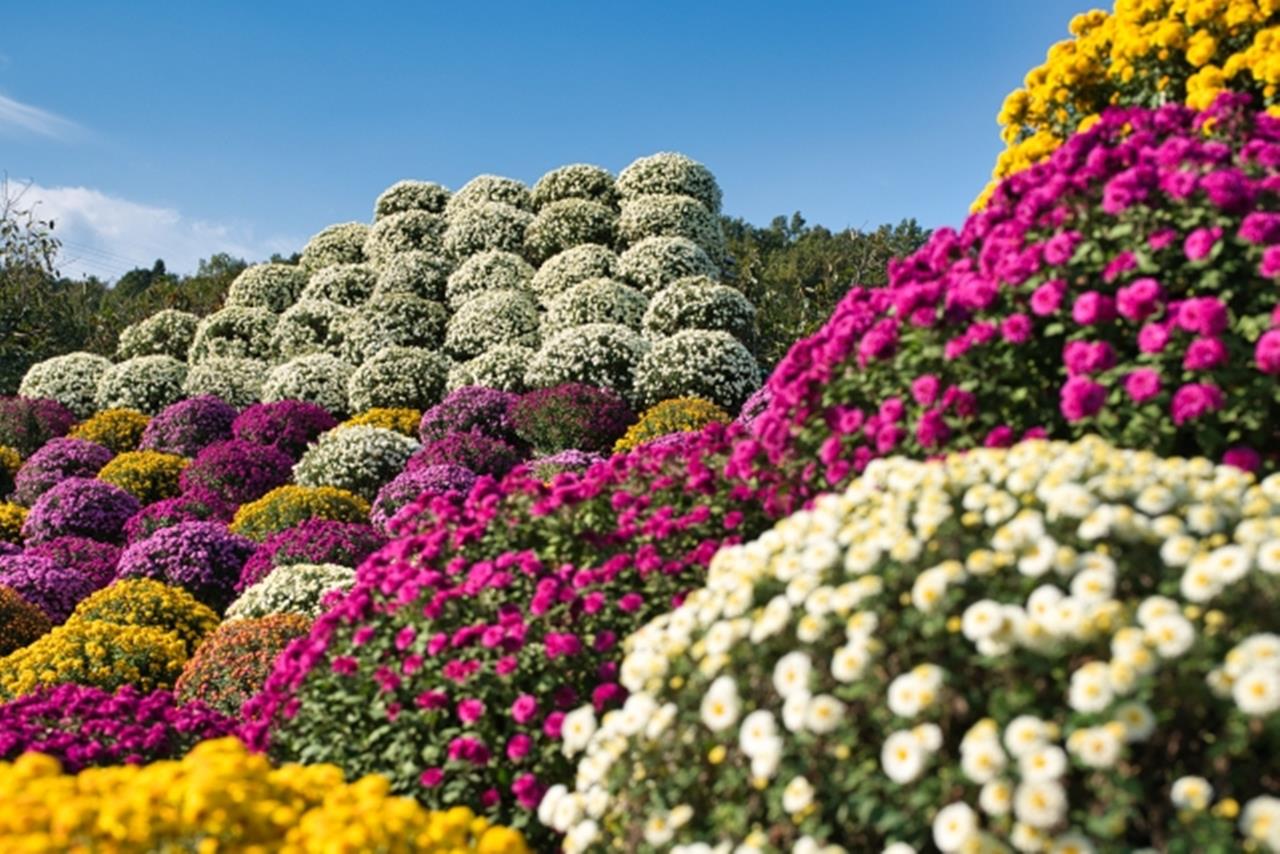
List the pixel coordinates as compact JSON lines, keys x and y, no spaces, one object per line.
{"x":148,"y":476}
{"x":220,"y":797}
{"x":677,"y":415}
{"x":88,"y":652}
{"x":1145,"y":53}
{"x":286,"y":506}
{"x":11,"y":518}
{"x":401,"y":419}
{"x":118,"y":429}
{"x":10,"y":460}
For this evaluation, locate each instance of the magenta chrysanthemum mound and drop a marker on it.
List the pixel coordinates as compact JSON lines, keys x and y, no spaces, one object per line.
{"x":238,"y":471}
{"x":286,"y":425}
{"x":203,"y":558}
{"x":80,"y":507}
{"x":1125,"y":287}
{"x":409,"y":485}
{"x":56,"y":461}
{"x":313,"y":541}
{"x":56,"y":588}
{"x":28,"y":423}
{"x":193,"y":505}
{"x":188,"y":426}
{"x":470,"y":410}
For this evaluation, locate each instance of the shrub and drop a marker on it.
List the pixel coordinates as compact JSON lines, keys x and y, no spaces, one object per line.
{"x":87,"y":557}
{"x":71,"y":380}
{"x":674,"y":415}
{"x":85,"y":727}
{"x":303,"y":808}
{"x":548,"y":467}
{"x":393,"y":320}
{"x":295,"y":588}
{"x":599,"y":354}
{"x":407,"y":231}
{"x":577,"y":264}
{"x":12,"y":519}
{"x":488,"y":225}
{"x":493,"y":270}
{"x":594,"y":301}
{"x":357,"y":459}
{"x":145,"y":383}
{"x":567,"y":223}
{"x":712,"y":365}
{"x":80,"y":507}
{"x":54,"y":463}
{"x":231,"y":664}
{"x":312,"y":541}
{"x":401,"y":419}
{"x":491,"y":319}
{"x":233,"y":333}
{"x":572,"y":415}
{"x":286,"y":425}
{"x":274,"y":287}
{"x":408,"y":486}
{"x":700,"y":303}
{"x":501,"y":367}
{"x":203,"y":558}
{"x":189,"y":426}
{"x":194,"y":505}
{"x":398,"y":376}
{"x":338,"y":244}
{"x":317,"y":378}
{"x":146,"y":603}
{"x":148,"y":476}
{"x":575,"y":181}
{"x":655,"y":262}
{"x":52,"y":587}
{"x":347,"y":285}
{"x":671,"y":216}
{"x":312,"y":326}
{"x":27,"y":423}
{"x":21,"y":623}
{"x":95,"y":654}
{"x":234,"y":380}
{"x":475,"y":452}
{"x":1023,"y":631}
{"x":237,"y":471}
{"x":286,"y":506}
{"x":118,"y":430}
{"x":411,"y":196}
{"x":470,"y":409}
{"x":489,"y":188}
{"x":168,"y":332}
{"x":422,"y":274}
{"x":10,"y":462}
{"x":670,"y":172}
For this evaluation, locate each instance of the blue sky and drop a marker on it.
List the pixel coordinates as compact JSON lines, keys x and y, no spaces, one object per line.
{"x":175,"y":130}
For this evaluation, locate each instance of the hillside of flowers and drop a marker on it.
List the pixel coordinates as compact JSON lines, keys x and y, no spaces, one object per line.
{"x":479,"y":529}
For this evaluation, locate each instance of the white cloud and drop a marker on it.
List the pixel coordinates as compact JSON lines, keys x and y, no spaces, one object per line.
{"x":24,"y":118}
{"x":106,"y":235}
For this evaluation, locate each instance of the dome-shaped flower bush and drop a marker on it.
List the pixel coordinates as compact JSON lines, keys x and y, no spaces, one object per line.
{"x":193,"y":505}
{"x":71,"y":380}
{"x":422,"y":274}
{"x":148,"y":476}
{"x":411,"y":196}
{"x":21,"y":623}
{"x":119,"y":430}
{"x":80,"y":507}
{"x":402,"y":419}
{"x":94,"y":654}
{"x":566,"y":269}
{"x":286,"y":506}
{"x":87,"y":557}
{"x":470,"y":409}
{"x":393,"y":320}
{"x":981,"y":650}
{"x":357,"y":459}
{"x":398,"y":376}
{"x":189,"y":426}
{"x":312,"y":326}
{"x":145,"y":383}
{"x":295,"y":588}
{"x":203,"y":558}
{"x":475,"y":452}
{"x":501,"y":367}
{"x":234,"y":332}
{"x":484,"y":226}
{"x":699,"y":303}
{"x":572,"y":415}
{"x":675,"y":415}
{"x":338,"y":244}
{"x":10,"y":462}
{"x":670,"y":173}
{"x":410,"y":485}
{"x":234,"y":380}
{"x":347,"y":285}
{"x":274,"y":287}
{"x":233,"y":662}
{"x":566,"y":223}
{"x":317,"y":378}
{"x":286,"y":425}
{"x":599,"y":354}
{"x":58,"y":460}
{"x":492,"y":270}
{"x":575,"y":181}
{"x":168,"y":332}
{"x":594,"y":301}
{"x":671,"y":216}
{"x":84,"y":727}
{"x":548,"y":467}
{"x":12,"y":519}
{"x":27,"y":423}
{"x":407,"y":231}
{"x":147,"y":603}
{"x":312,"y":541}
{"x":488,"y":188}
{"x":490,"y":319}
{"x":655,"y":262}
{"x":712,"y":365}
{"x":237,"y":471}
{"x":53,"y":587}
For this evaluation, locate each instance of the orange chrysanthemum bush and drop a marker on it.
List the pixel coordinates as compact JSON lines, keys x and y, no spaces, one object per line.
{"x":20,"y":621}
{"x":233,"y":663}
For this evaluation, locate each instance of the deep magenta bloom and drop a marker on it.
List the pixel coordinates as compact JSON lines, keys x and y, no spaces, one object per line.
{"x":1088,"y":357}
{"x":473,"y":451}
{"x":55,"y":588}
{"x":1142,"y":384}
{"x":186,"y":427}
{"x":26,"y":424}
{"x":54,"y":463}
{"x":237,"y":471}
{"x":1194,"y":400}
{"x":203,"y":558}
{"x":313,"y":541}
{"x":80,"y":507}
{"x":286,"y":425}
{"x":410,"y":485}
{"x":1267,"y":352}
{"x":1140,"y":299}
{"x":1092,"y":307}
{"x":194,"y":505}
{"x":1200,"y":243}
{"x":470,"y":409}
{"x":1081,"y":398}
{"x":1047,"y":298}
{"x":571,"y":415}
{"x":90,"y":558}
{"x":1204,"y":354}
{"x":1261,"y":227}
{"x":1246,"y":459}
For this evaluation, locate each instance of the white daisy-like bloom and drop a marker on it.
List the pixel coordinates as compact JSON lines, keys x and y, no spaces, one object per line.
{"x":996,"y":797}
{"x":929,"y":736}
{"x":1042,"y":602}
{"x":758,"y":731}
{"x":566,"y":812}
{"x":1137,"y":719}
{"x":1024,"y":837}
{"x":1037,"y":557}
{"x":1191,"y":793}
{"x":1072,"y":843}
{"x":984,"y":761}
{"x":1090,"y":689}
{"x":581,"y":836}
{"x":1040,"y":803}
{"x":1199,"y":584}
{"x":791,"y":674}
{"x":954,"y":826}
{"x":798,"y":795}
{"x":795,"y":711}
{"x":578,"y":727}
{"x":548,"y":803}
{"x":1094,"y":585}
{"x":850,"y":661}
{"x":1260,"y":821}
{"x":810,"y":628}
{"x":823,"y":714}
{"x":1171,"y":635}
{"x":595,"y":802}
{"x":983,"y":619}
{"x":929,"y":588}
{"x":903,"y":757}
{"x":1046,"y":762}
{"x":680,"y":815}
{"x":898,"y":848}
{"x":772,"y":620}
{"x":658,"y":830}
{"x":721,"y":705}
{"x":1098,"y":746}
{"x":1268,"y":556}
{"x":906,"y":695}
{"x":1229,"y":564}
{"x":1257,"y":691}
{"x":637,"y":711}
{"x":1178,"y":550}
{"x":765,"y":761}
{"x":661,"y":720}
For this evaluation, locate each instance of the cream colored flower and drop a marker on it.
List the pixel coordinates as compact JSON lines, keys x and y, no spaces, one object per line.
{"x":1193,"y":793}
{"x":954,"y":826}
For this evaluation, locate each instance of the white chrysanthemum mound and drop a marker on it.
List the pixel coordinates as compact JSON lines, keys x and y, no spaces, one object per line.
{"x":271,"y":286}
{"x":411,"y":196}
{"x":493,"y":270}
{"x":361,"y":459}
{"x":501,"y":367}
{"x":594,"y":301}
{"x":563,"y":271}
{"x":489,"y":188}
{"x":670,"y":173}
{"x":70,"y":379}
{"x":422,"y":274}
{"x":392,"y":320}
{"x":236,"y":332}
{"x":407,"y":231}
{"x":297,"y":588}
{"x":567,"y":223}
{"x":490,"y":319}
{"x":698,"y":302}
{"x":338,"y":244}
{"x":311,"y":326}
{"x":599,"y":354}
{"x":144,"y":383}
{"x":576,"y":181}
{"x":412,"y":377}
{"x":168,"y":332}
{"x":345,"y":284}
{"x":671,"y":216}
{"x":487,"y":225}
{"x":1028,"y":647}
{"x":236,"y":381}
{"x":317,"y":378}
{"x":707,"y":364}
{"x":655,"y":262}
